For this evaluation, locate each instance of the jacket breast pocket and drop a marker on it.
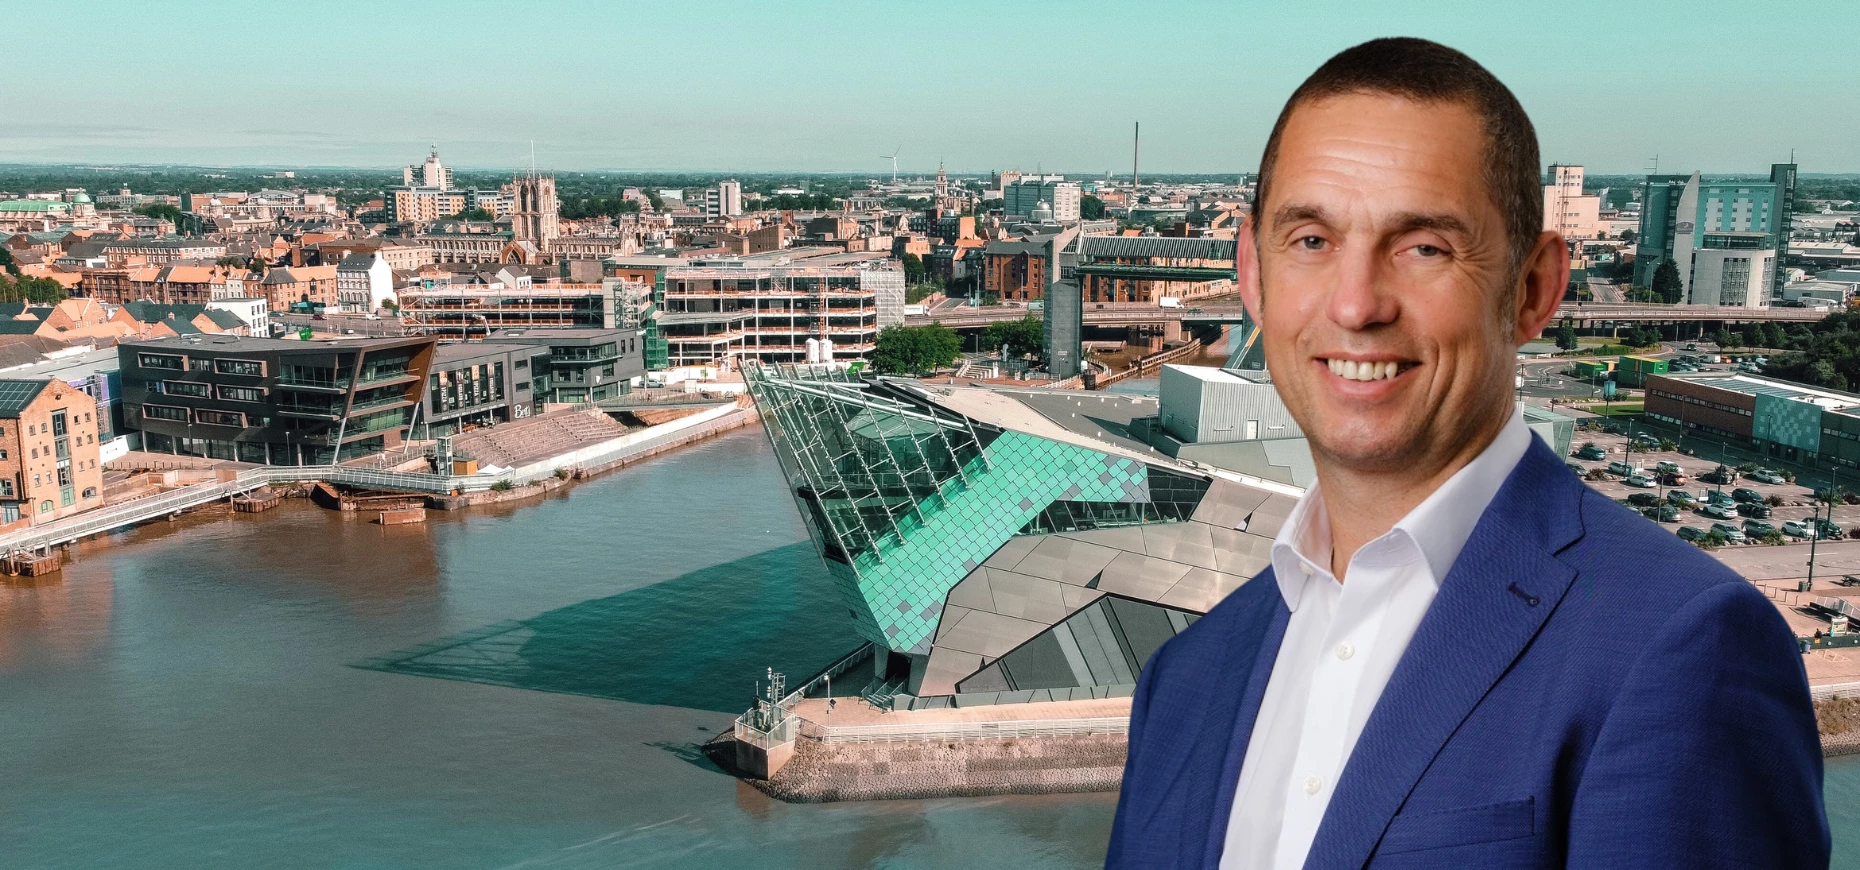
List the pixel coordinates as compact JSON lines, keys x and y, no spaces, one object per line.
{"x":1460,"y":826}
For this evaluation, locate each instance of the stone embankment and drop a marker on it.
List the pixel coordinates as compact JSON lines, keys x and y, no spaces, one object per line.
{"x":1839,"y":722}
{"x":821,"y":772}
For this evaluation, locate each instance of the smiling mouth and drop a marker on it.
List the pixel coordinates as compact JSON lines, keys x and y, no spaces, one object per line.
{"x":1364,"y":370}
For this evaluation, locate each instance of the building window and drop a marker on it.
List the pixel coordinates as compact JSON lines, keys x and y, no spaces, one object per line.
{"x":164,"y":412}
{"x":186,"y":388}
{"x":90,"y":492}
{"x":45,"y":506}
{"x":242,"y":394}
{"x":246,"y":367}
{"x":219,"y":418}
{"x":159,"y":361}
{"x":6,"y":489}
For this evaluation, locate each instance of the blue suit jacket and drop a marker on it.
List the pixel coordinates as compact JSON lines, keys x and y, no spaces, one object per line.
{"x":1586,"y":691}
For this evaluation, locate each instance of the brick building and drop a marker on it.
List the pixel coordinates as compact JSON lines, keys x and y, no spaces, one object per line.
{"x":49,"y":466}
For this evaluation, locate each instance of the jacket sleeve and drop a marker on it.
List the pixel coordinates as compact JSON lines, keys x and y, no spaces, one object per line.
{"x":1132,"y":787}
{"x":1710,"y":756}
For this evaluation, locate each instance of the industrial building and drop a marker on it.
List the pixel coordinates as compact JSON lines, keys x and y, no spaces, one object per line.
{"x":1788,"y":421}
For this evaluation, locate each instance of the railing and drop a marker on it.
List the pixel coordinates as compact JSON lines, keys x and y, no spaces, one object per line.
{"x":783,"y":732}
{"x":931,"y":731}
{"x":149,"y":507}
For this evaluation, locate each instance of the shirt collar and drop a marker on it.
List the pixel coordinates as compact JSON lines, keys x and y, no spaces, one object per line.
{"x":1438,"y":527}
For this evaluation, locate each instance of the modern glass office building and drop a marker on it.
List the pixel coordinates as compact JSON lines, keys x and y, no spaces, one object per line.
{"x":1007,"y":545}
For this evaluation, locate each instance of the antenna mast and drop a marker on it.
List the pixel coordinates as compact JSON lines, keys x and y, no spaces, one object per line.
{"x":1136,"y":151}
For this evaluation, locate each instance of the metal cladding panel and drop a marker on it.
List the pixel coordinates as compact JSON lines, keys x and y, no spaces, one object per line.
{"x":1240,"y":553}
{"x":1025,"y":597}
{"x":1141,"y":577}
{"x":1271,"y":515}
{"x":1200,"y":589}
{"x":1010,"y":554}
{"x":1188,"y":543}
{"x":1067,"y":561}
{"x":989,"y":634}
{"x":1787,"y":422}
{"x":1128,"y":538}
{"x":1228,"y":504}
{"x":1145,"y":628}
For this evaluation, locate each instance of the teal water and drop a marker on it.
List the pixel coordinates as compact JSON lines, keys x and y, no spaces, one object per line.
{"x":519,"y":687}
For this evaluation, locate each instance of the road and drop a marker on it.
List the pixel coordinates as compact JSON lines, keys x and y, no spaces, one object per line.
{"x":1580,"y":313}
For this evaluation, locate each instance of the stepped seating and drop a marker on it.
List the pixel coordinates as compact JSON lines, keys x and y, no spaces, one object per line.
{"x":521,"y":442}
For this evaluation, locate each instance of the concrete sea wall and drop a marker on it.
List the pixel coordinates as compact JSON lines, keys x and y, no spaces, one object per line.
{"x":950,"y":768}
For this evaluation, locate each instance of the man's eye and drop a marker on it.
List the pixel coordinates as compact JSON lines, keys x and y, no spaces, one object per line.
{"x":1311,"y":243}
{"x":1427,"y":250}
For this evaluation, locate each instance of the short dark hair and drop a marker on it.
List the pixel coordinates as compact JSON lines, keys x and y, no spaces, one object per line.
{"x":1429,"y":72}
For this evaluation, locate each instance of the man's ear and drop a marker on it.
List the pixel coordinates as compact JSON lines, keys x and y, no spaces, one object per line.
{"x":1543,"y":279}
{"x":1246,"y":268}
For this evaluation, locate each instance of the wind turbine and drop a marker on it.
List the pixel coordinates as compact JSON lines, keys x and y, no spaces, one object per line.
{"x":894,"y":163}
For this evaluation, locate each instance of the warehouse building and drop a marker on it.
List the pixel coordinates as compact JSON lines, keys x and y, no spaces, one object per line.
{"x":1791,"y":422}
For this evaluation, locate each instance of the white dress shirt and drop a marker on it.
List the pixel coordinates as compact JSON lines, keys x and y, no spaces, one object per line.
{"x":1340,"y":647}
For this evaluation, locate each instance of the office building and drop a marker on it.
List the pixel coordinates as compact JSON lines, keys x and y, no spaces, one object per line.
{"x":768,"y":307}
{"x":482,"y":383}
{"x":1567,"y":209}
{"x":467,"y":307}
{"x":432,"y":173}
{"x":725,"y":200}
{"x":1153,"y":268}
{"x":270,"y":401}
{"x":584,"y":365}
{"x":1003,"y":546}
{"x":49,"y":462}
{"x":1031,"y":196}
{"x":1788,"y":421}
{"x":1724,"y":238}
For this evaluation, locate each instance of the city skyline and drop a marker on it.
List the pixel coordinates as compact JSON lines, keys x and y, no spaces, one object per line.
{"x":819,"y":87}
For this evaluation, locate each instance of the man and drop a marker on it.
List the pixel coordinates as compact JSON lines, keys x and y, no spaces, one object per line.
{"x":1460,"y":656}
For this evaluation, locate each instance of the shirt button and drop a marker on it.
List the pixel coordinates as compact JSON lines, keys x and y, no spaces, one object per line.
{"x":1306,"y":569}
{"x":1312,"y":784}
{"x":1344,"y":651}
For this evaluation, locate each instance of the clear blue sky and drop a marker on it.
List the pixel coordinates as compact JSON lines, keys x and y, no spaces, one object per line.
{"x":829,"y":86}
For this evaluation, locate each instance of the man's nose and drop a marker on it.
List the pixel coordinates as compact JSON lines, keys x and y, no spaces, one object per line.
{"x":1362,"y":297}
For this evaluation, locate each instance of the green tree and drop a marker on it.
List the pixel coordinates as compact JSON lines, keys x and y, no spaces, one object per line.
{"x":1566,"y":337}
{"x":913,"y":268}
{"x":1628,"y":235}
{"x":40,"y":291}
{"x":162,"y":211}
{"x":915,"y":349}
{"x":1666,"y":282}
{"x":1091,"y":208}
{"x":1753,"y":335}
{"x":475,"y":214}
{"x":919,"y":292}
{"x":6,"y":262}
{"x":1024,"y":336}
{"x":1773,"y":336}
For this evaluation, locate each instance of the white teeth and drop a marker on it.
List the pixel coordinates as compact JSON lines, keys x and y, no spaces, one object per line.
{"x":1363,"y":371}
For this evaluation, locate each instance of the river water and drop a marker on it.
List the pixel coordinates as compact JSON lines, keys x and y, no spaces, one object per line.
{"x":523,"y":686}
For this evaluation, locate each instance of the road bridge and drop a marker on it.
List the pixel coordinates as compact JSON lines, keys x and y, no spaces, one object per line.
{"x":1586,"y":314}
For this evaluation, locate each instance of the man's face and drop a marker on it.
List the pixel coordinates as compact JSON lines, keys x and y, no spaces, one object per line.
{"x":1382,"y":271}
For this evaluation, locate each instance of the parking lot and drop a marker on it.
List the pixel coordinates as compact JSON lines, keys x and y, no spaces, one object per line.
{"x":1796,"y":497}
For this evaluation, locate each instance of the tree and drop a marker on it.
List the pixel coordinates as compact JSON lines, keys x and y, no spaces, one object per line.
{"x":40,"y":291}
{"x":1666,"y":282}
{"x":6,"y":262}
{"x":1566,"y":337}
{"x":1628,"y":235}
{"x":1753,"y":335}
{"x":1021,"y":337}
{"x":161,"y":211}
{"x":913,"y":268}
{"x":1091,"y":208}
{"x":474,"y":214}
{"x":915,"y":349}
{"x":919,"y":292}
{"x":1773,"y":336}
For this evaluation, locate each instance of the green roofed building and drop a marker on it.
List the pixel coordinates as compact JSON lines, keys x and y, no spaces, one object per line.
{"x":1000,"y":546}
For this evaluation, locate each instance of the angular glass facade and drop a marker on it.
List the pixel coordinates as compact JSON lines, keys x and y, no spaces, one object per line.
{"x":907,"y":498}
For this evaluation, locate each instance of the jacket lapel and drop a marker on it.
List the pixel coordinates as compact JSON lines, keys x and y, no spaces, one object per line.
{"x":1233,"y":733}
{"x":1494,"y":600}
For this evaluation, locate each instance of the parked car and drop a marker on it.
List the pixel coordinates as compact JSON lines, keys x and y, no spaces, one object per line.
{"x":1796,"y":529}
{"x":1643,"y":499}
{"x":1690,"y":345}
{"x":1718,"y":511}
{"x":1741,"y":494}
{"x":1758,"y":528}
{"x":1764,"y":475}
{"x":1592,"y":453}
{"x":1754,"y":509}
{"x":1638,"y":479}
{"x":1720,"y":475}
{"x":1690,"y":533}
{"x":1719,"y":496}
{"x":1575,"y":468}
{"x":1665,"y":513}
{"x":1621,"y":468}
{"x":1668,"y":467}
{"x":1674,"y":479}
{"x":1645,"y":440}
{"x":1730,"y":532}
{"x":1681,"y":498}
